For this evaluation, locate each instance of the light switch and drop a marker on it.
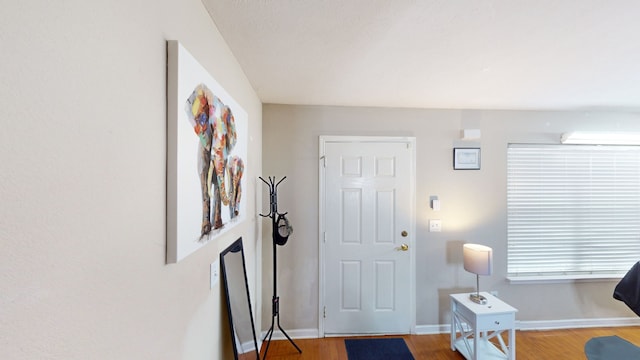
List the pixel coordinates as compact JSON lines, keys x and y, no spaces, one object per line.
{"x":215,"y":273}
{"x":435,"y":225}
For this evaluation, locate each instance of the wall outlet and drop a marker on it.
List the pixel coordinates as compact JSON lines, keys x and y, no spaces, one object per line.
{"x":215,"y":273}
{"x":435,"y":225}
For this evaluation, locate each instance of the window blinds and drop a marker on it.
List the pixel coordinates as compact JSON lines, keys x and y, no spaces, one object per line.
{"x":573,"y":211}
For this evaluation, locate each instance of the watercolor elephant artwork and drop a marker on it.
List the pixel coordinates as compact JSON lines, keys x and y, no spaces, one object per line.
{"x":207,"y":142}
{"x":220,"y":174}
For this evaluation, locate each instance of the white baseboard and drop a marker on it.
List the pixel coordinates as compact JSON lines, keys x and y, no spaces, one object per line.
{"x":432,"y":329}
{"x":544,"y":325}
{"x":576,"y":323}
{"x":294,"y":334}
{"x":520,"y":325}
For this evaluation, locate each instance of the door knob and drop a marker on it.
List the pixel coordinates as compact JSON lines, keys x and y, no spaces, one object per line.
{"x":403,"y":247}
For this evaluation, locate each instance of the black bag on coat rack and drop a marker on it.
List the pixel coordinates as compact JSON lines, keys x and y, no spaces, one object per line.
{"x":282,"y":230}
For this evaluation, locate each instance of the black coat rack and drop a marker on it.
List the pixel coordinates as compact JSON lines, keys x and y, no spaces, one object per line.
{"x":280,"y":239}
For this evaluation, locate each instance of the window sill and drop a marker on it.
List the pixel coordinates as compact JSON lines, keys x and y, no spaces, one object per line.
{"x":561,"y":279}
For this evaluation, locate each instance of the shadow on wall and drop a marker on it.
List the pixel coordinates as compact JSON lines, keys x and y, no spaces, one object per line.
{"x":454,"y":252}
{"x":444,"y":302}
{"x":454,"y":257}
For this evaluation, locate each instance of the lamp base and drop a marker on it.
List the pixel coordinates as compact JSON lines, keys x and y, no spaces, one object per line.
{"x":478,"y":299}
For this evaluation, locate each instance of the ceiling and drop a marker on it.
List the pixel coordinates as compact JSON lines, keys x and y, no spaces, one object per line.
{"x":471,"y":54}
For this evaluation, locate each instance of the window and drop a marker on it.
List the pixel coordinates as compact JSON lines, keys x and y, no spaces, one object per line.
{"x":573,"y":210}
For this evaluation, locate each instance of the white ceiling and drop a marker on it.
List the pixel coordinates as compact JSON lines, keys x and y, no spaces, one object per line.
{"x":483,"y":54}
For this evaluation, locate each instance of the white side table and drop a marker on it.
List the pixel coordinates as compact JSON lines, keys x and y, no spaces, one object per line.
{"x":482,"y":323}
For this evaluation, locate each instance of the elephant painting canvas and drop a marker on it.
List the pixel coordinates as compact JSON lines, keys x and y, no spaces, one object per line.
{"x":220,"y":174}
{"x":207,"y":140}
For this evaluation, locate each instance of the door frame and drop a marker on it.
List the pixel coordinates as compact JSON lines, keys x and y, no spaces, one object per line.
{"x":411,"y":142}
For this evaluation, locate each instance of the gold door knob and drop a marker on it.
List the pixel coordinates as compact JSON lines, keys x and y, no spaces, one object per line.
{"x":404,"y":233}
{"x":403,"y":247}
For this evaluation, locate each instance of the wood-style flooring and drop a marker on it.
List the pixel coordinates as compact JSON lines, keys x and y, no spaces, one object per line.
{"x":563,"y":344}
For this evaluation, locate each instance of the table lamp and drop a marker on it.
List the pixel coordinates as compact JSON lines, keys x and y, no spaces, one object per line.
{"x":478,"y":259}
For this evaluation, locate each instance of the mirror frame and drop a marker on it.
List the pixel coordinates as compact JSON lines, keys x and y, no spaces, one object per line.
{"x":236,"y":247}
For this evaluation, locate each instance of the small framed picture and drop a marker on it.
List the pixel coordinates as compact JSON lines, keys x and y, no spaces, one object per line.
{"x":466,"y":158}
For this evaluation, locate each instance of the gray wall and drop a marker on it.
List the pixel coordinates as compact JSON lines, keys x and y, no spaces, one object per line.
{"x":83,"y":183}
{"x":473,"y":204}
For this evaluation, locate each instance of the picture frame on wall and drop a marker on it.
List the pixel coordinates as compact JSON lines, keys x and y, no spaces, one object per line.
{"x":466,"y":158}
{"x":207,"y":141}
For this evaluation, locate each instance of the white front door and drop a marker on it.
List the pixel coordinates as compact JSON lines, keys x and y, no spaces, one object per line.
{"x":368,"y":235}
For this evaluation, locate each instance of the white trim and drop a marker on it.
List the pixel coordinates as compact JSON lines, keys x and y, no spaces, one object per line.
{"x":446,"y":328}
{"x":294,"y":334}
{"x":321,"y":232}
{"x":544,"y":325}
{"x":412,"y":222}
{"x":562,"y":279}
{"x":411,"y":141}
{"x":412,"y":238}
{"x":601,"y":138}
{"x":247,"y":346}
{"x":576,"y":323}
{"x":433,"y":329}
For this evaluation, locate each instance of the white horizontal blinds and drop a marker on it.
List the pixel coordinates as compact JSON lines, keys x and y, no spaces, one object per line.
{"x":572,"y":209}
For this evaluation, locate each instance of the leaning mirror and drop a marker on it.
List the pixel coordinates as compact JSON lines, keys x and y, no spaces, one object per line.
{"x":234,"y":274}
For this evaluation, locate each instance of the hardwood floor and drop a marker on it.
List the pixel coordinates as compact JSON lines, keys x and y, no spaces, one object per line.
{"x":563,"y":344}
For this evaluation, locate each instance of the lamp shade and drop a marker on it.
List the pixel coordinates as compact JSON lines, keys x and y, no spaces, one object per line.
{"x":478,"y":259}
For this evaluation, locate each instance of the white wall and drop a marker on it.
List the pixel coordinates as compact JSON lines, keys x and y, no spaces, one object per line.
{"x":473,"y":204}
{"x":82,"y":183}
